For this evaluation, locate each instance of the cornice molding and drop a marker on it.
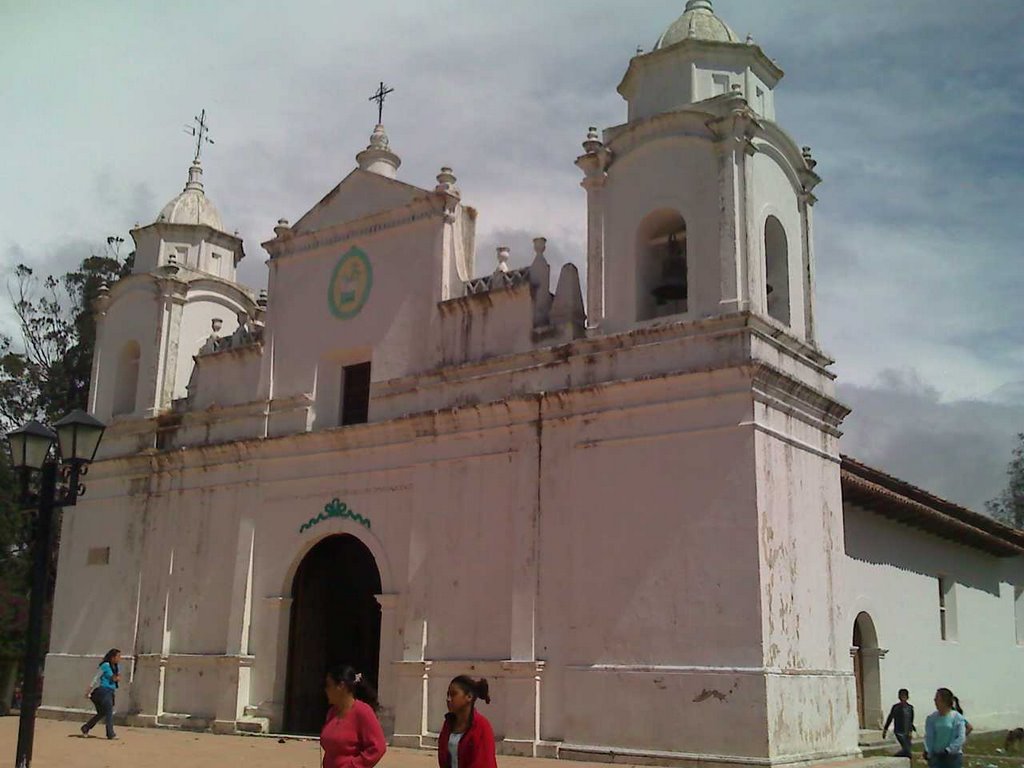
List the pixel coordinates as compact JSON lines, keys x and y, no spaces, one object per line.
{"x":430,"y":206}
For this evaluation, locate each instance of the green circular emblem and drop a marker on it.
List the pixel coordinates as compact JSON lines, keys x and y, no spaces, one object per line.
{"x":350,"y":285}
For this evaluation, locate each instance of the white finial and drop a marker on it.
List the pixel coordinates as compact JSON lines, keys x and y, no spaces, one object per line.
{"x":639,"y":50}
{"x":750,"y":39}
{"x":504,"y":252}
{"x":593,"y":141}
{"x":195,"y":177}
{"x":378,"y":157}
{"x":379,"y":138}
{"x":808,"y":158}
{"x":540,"y":244}
{"x":446,"y":182}
{"x":699,"y":5}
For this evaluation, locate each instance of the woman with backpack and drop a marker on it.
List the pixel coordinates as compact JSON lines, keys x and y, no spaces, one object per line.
{"x":102,"y":693}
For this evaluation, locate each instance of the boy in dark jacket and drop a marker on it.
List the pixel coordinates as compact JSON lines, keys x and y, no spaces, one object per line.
{"x":901,"y":718}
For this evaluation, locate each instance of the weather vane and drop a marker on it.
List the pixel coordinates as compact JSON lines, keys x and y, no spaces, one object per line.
{"x":379,"y":97}
{"x":201,"y":131}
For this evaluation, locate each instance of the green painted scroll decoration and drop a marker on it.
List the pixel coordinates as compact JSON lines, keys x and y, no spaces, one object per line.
{"x":336,"y":508}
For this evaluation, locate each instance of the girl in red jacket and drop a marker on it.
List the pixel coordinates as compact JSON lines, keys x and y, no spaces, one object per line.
{"x":466,"y":740}
{"x":351,"y":736}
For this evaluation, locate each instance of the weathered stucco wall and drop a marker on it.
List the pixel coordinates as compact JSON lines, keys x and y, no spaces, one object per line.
{"x":892,"y":575}
{"x":580,"y":545}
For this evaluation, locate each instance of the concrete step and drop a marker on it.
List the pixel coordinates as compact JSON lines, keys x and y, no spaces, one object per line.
{"x":871,"y":737}
{"x":865,"y":762}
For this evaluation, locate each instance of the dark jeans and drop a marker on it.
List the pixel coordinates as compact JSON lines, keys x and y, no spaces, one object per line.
{"x":905,"y":744}
{"x":103,"y":700}
{"x":946,"y":761}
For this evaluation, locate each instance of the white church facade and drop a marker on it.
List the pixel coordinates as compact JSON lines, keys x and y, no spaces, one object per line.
{"x":631,"y":513}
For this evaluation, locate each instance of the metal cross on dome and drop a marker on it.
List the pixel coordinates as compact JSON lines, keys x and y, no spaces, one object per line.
{"x":379,"y":97}
{"x":201,"y":131}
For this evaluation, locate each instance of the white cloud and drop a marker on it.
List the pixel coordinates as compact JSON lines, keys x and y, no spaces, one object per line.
{"x":956,"y":449}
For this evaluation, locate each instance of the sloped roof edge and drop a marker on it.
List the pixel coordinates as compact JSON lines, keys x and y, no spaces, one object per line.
{"x":899,"y":500}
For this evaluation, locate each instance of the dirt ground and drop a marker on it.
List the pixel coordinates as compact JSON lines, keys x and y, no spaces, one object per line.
{"x":60,"y":745}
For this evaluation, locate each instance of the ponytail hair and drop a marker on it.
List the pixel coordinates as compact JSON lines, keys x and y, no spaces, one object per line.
{"x":956,"y":704}
{"x":356,"y":683}
{"x":477,"y":687}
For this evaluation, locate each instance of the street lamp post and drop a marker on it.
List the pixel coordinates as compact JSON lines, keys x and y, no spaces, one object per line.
{"x":77,"y":437}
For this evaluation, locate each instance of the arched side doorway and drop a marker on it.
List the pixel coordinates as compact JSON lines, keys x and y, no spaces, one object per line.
{"x":335,"y":619}
{"x":866,"y":670}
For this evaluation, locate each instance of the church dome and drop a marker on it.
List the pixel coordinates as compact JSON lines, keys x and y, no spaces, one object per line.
{"x":192,"y":206}
{"x":698,"y":22}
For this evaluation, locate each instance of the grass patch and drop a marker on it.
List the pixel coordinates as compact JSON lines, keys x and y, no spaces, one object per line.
{"x":984,"y":761}
{"x":982,"y":750}
{"x":985,"y":750}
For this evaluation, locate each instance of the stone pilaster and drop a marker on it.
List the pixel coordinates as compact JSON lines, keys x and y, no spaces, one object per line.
{"x":734,"y":133}
{"x":594,"y":165}
{"x":387,"y":688}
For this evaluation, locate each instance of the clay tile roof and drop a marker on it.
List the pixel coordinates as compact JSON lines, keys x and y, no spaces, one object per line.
{"x":893,"y":498}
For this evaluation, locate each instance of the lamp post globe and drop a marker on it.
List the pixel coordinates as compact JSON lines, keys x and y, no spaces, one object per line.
{"x":30,"y":445}
{"x":78,"y":437}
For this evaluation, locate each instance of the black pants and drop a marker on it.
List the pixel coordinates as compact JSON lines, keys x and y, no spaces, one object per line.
{"x":905,"y":744}
{"x":946,"y":761}
{"x":103,"y":700}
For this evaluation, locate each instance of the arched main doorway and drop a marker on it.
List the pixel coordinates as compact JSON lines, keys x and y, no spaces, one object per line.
{"x":335,"y":619}
{"x":866,"y":655}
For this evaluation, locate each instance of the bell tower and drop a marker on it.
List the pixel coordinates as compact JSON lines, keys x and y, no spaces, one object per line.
{"x":699,"y":205}
{"x":700,"y":228}
{"x":181,"y":292}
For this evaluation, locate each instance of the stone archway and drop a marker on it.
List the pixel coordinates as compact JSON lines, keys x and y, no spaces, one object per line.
{"x":866,"y":669}
{"x":335,"y":618}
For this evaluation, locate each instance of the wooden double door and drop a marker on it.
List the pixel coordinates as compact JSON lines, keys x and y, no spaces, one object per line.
{"x":335,"y":619}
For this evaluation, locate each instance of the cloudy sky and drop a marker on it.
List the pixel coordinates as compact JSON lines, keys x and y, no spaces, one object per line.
{"x":913,"y":109}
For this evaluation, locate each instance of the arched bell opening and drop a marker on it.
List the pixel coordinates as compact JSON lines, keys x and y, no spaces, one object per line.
{"x":662,"y":268}
{"x":776,"y":254}
{"x":127,"y":382}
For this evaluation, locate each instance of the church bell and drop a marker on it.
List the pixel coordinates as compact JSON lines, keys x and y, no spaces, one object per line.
{"x":673,"y":274}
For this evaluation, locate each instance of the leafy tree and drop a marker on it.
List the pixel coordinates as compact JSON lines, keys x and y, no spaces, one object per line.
{"x":1008,"y":507}
{"x":51,"y":376}
{"x":14,"y":538}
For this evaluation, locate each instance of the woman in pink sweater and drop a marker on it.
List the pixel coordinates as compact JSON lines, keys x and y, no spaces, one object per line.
{"x":351,"y":736}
